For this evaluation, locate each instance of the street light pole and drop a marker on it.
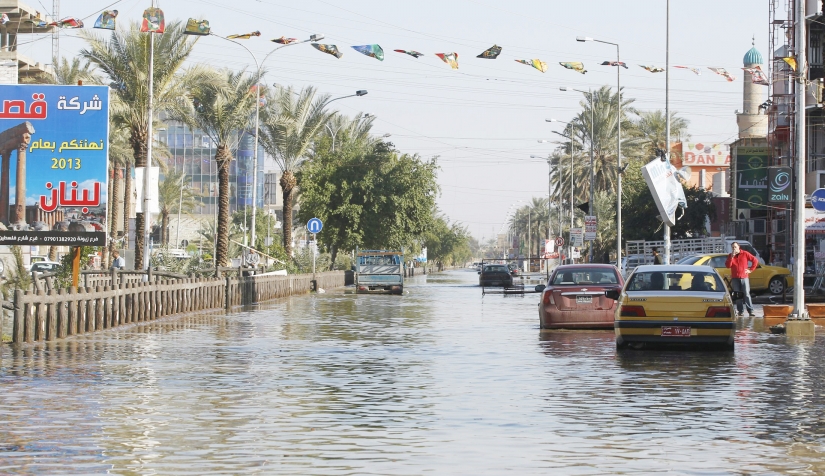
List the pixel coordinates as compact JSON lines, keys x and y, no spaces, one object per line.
{"x":667,"y":114}
{"x":570,"y":234}
{"x":618,"y":148}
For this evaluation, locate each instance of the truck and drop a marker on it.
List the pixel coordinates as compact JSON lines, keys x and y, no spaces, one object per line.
{"x":641,"y":250}
{"x":379,"y":271}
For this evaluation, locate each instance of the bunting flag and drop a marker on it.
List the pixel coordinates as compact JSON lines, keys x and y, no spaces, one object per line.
{"x":106,"y":20}
{"x":153,"y":21}
{"x":373,"y":51}
{"x":653,"y":69}
{"x":696,"y":71}
{"x":197,"y":27}
{"x":723,"y":72}
{"x":574,"y":65}
{"x":490,"y":53}
{"x":791,"y":62}
{"x":615,"y":63}
{"x":449,"y":58}
{"x":4,"y":19}
{"x":328,"y":49}
{"x":37,"y":22}
{"x":244,"y":36}
{"x":284,"y":40}
{"x":70,"y":23}
{"x":757,"y":75}
{"x":412,"y":53}
{"x":536,"y":63}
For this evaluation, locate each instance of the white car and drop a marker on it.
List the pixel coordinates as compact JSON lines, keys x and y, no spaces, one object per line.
{"x":45,"y":266}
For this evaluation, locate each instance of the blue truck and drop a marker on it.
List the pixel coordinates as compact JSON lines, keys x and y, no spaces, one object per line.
{"x":379,"y":271}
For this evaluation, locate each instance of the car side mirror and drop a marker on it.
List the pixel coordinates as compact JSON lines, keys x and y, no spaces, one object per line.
{"x":737,"y":295}
{"x":612,"y":294}
{"x":540,"y":288}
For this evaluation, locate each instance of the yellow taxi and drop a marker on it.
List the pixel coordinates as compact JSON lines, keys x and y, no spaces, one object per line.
{"x":763,"y":279}
{"x":674,"y":304}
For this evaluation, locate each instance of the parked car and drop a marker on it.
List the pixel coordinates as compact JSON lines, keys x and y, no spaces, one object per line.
{"x":45,"y":266}
{"x":674,"y":304}
{"x":495,"y":275}
{"x":574,"y":297}
{"x":36,"y":259}
{"x":763,"y":279}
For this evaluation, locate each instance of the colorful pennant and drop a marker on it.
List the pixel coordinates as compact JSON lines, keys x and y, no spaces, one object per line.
{"x":449,"y":58}
{"x":373,"y":51}
{"x":412,"y":53}
{"x":69,"y":23}
{"x":197,"y":27}
{"x":757,"y":75}
{"x":37,"y":22}
{"x":653,"y":69}
{"x":244,"y":36}
{"x":4,"y":19}
{"x":153,"y":21}
{"x":791,"y":62}
{"x":724,"y":73}
{"x":328,"y":49}
{"x":696,"y":71}
{"x":490,"y":53}
{"x":615,"y":63}
{"x":284,"y":40}
{"x":106,"y":20}
{"x":536,"y":63}
{"x":574,"y":65}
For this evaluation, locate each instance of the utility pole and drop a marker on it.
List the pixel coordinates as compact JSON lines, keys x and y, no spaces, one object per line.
{"x":667,"y":116}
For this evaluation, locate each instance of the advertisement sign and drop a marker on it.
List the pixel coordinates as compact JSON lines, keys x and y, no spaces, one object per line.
{"x":590,"y":227}
{"x":703,"y":154}
{"x":818,"y":200}
{"x":576,"y":254}
{"x":549,"y":246}
{"x":667,"y":191}
{"x":576,"y":237}
{"x":751,"y":177}
{"x":54,"y":151}
{"x":779,"y":184}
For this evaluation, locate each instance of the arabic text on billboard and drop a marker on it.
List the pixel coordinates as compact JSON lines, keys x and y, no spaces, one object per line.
{"x":751,"y":177}
{"x":54,"y":148}
{"x":697,"y":154}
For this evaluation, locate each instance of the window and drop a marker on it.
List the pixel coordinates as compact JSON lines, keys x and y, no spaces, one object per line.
{"x":675,"y":281}
{"x":586,"y":276}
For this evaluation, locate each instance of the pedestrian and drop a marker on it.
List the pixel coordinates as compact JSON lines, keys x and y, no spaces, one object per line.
{"x":656,"y":258}
{"x":741,"y":264}
{"x":117,"y":261}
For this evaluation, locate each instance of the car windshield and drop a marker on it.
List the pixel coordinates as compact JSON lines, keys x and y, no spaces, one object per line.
{"x":585,"y":276}
{"x":675,"y":281}
{"x":496,"y":268}
{"x":689,"y":259}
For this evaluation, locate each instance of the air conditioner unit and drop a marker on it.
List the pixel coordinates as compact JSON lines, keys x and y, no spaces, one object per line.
{"x":778,"y":225}
{"x":813,"y":180}
{"x":756,"y":226}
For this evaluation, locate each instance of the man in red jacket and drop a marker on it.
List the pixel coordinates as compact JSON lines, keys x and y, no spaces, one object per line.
{"x":738,"y":262}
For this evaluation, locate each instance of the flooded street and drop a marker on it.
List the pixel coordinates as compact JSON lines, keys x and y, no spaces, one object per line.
{"x":440,"y":380}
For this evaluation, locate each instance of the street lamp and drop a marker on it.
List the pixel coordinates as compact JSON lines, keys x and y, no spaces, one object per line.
{"x":570,"y":235}
{"x":618,"y":148}
{"x":592,"y":207}
{"x":359,"y":93}
{"x":315,"y":37}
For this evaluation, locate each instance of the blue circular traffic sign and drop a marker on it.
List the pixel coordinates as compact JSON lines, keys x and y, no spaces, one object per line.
{"x":818,"y":199}
{"x":314,"y":225}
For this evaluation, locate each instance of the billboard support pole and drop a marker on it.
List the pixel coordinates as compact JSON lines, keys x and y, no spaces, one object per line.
{"x":76,"y":266}
{"x":147,"y":214}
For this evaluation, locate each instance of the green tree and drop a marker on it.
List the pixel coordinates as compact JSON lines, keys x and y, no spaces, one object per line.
{"x":174,"y":195}
{"x":124,"y":60}
{"x":222,"y":107}
{"x":291,"y":124}
{"x":447,"y":244}
{"x":376,"y":200}
{"x":651,"y":127}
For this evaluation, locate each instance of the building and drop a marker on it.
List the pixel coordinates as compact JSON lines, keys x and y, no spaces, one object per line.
{"x":23,"y":20}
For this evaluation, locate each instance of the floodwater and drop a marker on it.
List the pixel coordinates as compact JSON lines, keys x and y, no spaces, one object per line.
{"x":440,"y":380}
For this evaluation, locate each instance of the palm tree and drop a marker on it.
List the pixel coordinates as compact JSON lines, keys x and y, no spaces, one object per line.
{"x":354,"y":131}
{"x":120,"y":157}
{"x":290,"y":126}
{"x":174,"y":195}
{"x":222,"y":107}
{"x":650,"y":129}
{"x":66,"y":73}
{"x":124,"y":60}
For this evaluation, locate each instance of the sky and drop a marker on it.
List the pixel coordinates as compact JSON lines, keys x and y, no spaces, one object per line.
{"x":484,"y":120}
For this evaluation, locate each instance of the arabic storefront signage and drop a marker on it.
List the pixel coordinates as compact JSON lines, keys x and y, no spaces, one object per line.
{"x":751,"y":177}
{"x":704,"y":154}
{"x":779,"y":184}
{"x":54,"y":151}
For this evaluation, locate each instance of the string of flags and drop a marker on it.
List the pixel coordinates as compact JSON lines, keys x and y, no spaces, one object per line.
{"x":154,"y":22}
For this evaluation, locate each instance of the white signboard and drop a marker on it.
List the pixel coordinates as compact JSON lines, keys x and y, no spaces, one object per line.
{"x":590,"y":226}
{"x":549,"y":246}
{"x":698,"y":154}
{"x":577,"y":237}
{"x":576,"y":254}
{"x":667,"y":191}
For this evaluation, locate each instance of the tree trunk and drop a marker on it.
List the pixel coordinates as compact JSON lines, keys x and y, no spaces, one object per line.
{"x":333,"y":252}
{"x":104,"y":259}
{"x":127,"y":203}
{"x":164,"y":228}
{"x":52,"y":253}
{"x":114,"y":218}
{"x":223,"y":157}
{"x":288,"y":183}
{"x":138,"y":143}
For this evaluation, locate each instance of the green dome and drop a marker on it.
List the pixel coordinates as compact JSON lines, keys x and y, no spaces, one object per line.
{"x":752,"y":57}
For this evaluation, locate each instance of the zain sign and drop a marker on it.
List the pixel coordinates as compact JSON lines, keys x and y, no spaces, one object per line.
{"x":780,"y":181}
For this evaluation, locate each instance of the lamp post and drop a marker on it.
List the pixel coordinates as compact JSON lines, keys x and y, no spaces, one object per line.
{"x":618,"y":148}
{"x":359,"y":93}
{"x":570,"y":234}
{"x":258,"y":72}
{"x":592,"y":206}
{"x":667,"y":117}
{"x":549,"y":198}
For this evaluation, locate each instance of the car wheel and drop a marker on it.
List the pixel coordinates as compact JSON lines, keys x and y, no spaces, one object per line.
{"x":777,"y":285}
{"x":620,"y":343}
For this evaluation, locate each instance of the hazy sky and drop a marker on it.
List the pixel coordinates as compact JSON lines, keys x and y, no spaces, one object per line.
{"x":483,"y":121}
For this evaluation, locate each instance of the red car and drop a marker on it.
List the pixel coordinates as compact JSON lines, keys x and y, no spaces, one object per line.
{"x":574,"y":297}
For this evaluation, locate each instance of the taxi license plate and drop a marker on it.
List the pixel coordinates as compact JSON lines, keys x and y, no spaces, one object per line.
{"x":675,"y":331}
{"x":584,"y":299}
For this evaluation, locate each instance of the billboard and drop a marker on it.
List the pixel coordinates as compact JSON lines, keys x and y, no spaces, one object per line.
{"x":704,"y":154}
{"x":667,"y":191}
{"x":54,"y":145}
{"x":751,"y":177}
{"x":779,"y":184}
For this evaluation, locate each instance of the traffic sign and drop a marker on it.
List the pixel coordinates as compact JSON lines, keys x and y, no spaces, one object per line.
{"x":590,"y":227}
{"x":576,"y":236}
{"x":314,"y":225}
{"x":818,"y":199}
{"x":559,"y":241}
